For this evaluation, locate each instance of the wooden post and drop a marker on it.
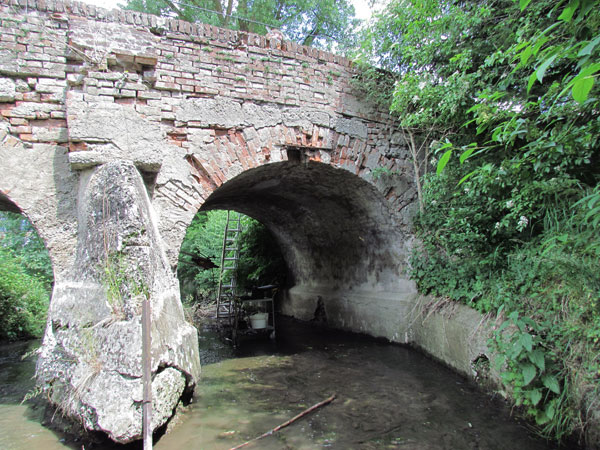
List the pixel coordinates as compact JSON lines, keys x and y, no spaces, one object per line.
{"x":146,"y":374}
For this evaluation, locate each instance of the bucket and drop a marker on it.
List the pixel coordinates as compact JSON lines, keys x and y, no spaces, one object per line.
{"x":259,"y":321}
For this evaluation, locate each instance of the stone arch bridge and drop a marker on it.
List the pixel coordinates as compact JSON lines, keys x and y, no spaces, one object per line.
{"x":117,"y":127}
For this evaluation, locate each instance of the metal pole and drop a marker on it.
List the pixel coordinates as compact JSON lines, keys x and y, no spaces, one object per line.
{"x":146,"y":374}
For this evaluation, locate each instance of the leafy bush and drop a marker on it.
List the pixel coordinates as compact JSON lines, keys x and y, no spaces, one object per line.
{"x":524,"y":246}
{"x":204,"y":238}
{"x":23,"y":300}
{"x":20,"y":238}
{"x":25,"y":279}
{"x":260,"y":258}
{"x":512,"y":226}
{"x":261,"y":262}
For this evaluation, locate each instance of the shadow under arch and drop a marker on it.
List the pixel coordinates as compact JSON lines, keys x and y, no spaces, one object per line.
{"x":338,"y":238}
{"x":6,"y":204}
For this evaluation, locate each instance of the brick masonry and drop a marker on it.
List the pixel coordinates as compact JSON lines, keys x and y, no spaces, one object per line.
{"x":92,"y":80}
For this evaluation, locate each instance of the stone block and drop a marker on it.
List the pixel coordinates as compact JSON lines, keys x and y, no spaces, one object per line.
{"x":221,"y":112}
{"x":351,"y":127}
{"x":43,"y":134}
{"x":260,"y":116}
{"x":7,"y":90}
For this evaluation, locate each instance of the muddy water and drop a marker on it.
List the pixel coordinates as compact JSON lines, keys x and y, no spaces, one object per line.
{"x":20,"y":425}
{"x":387,"y":397}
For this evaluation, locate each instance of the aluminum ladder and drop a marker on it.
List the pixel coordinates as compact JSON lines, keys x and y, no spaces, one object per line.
{"x":230,"y":257}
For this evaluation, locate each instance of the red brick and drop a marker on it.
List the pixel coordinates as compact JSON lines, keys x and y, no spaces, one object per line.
{"x":49,"y":123}
{"x":27,"y":137}
{"x":77,"y":146}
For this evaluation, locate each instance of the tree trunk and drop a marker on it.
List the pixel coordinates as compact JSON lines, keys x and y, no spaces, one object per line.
{"x":228,"y":14}
{"x":219,"y":9}
{"x":242,"y":11}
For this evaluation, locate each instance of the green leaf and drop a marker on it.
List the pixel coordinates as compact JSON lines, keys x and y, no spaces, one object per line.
{"x":535,"y":396}
{"x":529,"y":372}
{"x":588,"y":70}
{"x":550,"y":409}
{"x":541,"y":418}
{"x":526,"y":54}
{"x":523,"y":4}
{"x":541,"y":70}
{"x":466,"y":154}
{"x":569,"y":10}
{"x":497,"y":132}
{"x":443,"y":161}
{"x":537,"y":358}
{"x":532,"y":80}
{"x":466,"y":177}
{"x":526,"y":341}
{"x":551,"y":383}
{"x":539,"y":43}
{"x":591,"y":213}
{"x":581,"y":89}
{"x":589,"y":48}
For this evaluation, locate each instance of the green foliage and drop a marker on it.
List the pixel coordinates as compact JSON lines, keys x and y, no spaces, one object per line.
{"x":541,"y":276}
{"x":511,"y":226}
{"x":25,"y":279}
{"x":260,"y":261}
{"x":379,"y":172}
{"x":19,"y":237}
{"x":23,"y":300}
{"x":121,"y":284}
{"x":320,"y":23}
{"x":204,"y":238}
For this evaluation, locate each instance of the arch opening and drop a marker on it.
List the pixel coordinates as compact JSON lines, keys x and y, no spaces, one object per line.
{"x":198,"y":268}
{"x":26,"y":276}
{"x":344,"y":252}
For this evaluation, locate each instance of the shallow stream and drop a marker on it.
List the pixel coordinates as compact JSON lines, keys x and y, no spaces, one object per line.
{"x":387,"y":397}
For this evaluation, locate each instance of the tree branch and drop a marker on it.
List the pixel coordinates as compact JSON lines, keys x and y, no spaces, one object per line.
{"x":285,"y":424}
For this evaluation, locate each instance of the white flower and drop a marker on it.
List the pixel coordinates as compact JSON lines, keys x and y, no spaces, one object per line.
{"x":422,"y":85}
{"x":467,"y":190}
{"x":497,"y":226}
{"x":510,"y":204}
{"x":523,"y":221}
